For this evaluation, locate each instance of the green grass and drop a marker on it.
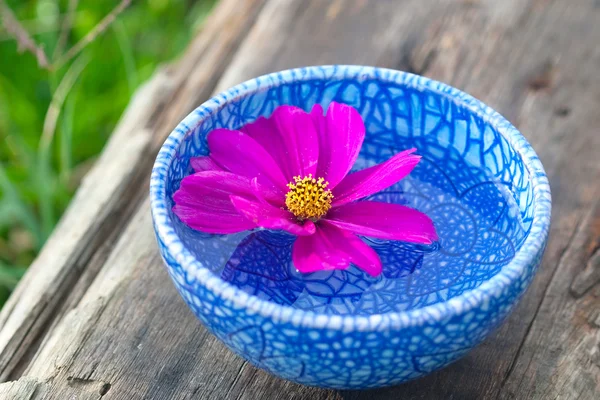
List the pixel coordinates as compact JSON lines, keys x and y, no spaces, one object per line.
{"x":39,"y":174}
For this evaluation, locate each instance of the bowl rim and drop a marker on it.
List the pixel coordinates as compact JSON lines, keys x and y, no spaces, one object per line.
{"x":477,"y":297}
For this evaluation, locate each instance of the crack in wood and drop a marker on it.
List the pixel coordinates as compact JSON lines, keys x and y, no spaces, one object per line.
{"x":104,"y":389}
{"x":37,"y":391}
{"x":89,"y":385}
{"x":236,"y":379}
{"x":589,"y":277}
{"x":242,"y":392}
{"x":22,"y":338}
{"x":594,"y":319}
{"x":92,"y":370}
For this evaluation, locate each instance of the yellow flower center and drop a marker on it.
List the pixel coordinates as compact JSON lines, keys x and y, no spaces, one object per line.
{"x":308,"y":197}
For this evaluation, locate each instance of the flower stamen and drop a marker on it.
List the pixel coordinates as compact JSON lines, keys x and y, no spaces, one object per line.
{"x":308,"y":197}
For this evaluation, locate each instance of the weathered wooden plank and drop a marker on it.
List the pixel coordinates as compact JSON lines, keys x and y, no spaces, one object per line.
{"x":33,"y":389}
{"x":131,"y":331}
{"x":25,"y":389}
{"x":80,"y":243}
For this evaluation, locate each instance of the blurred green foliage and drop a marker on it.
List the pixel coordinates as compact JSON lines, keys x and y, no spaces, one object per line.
{"x":38,"y":180}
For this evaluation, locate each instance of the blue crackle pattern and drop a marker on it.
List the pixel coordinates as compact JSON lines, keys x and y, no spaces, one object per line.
{"x":479,"y":180}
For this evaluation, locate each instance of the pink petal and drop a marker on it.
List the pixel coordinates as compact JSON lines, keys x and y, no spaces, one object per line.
{"x":265,"y":133}
{"x":359,"y":253}
{"x":384,"y":221}
{"x":374,"y":179}
{"x":202,"y":202}
{"x":204,"y":163}
{"x":264,"y":195}
{"x":239,"y":153}
{"x":333,"y":248}
{"x":266,"y":216}
{"x":341,"y":134}
{"x":290,"y":136}
{"x":315,"y":253}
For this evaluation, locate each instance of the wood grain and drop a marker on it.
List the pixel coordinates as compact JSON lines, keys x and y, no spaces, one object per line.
{"x":124,"y":333}
{"x":560,"y":357}
{"x":25,"y":389}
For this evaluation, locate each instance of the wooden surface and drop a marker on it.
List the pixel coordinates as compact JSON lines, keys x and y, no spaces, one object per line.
{"x":97,"y":317}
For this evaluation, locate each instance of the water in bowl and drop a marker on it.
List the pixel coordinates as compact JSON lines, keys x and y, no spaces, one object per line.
{"x":476,"y":217}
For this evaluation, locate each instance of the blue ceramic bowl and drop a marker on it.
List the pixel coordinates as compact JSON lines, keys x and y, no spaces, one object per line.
{"x":479,"y":180}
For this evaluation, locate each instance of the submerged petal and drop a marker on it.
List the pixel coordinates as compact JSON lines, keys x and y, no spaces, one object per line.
{"x":237,"y":152}
{"x":341,"y":134}
{"x":203,"y":202}
{"x":265,"y":215}
{"x":315,"y":253}
{"x":371,"y":180}
{"x":333,"y":248}
{"x":290,"y":136}
{"x":359,"y":253}
{"x":384,"y":221}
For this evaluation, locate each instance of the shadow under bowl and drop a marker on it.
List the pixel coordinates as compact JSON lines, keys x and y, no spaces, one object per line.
{"x":479,"y":180}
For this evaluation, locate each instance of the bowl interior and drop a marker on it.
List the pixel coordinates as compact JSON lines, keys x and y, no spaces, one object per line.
{"x":470,"y":181}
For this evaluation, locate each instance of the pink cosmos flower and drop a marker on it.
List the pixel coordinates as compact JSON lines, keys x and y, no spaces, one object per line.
{"x":290,"y":172}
